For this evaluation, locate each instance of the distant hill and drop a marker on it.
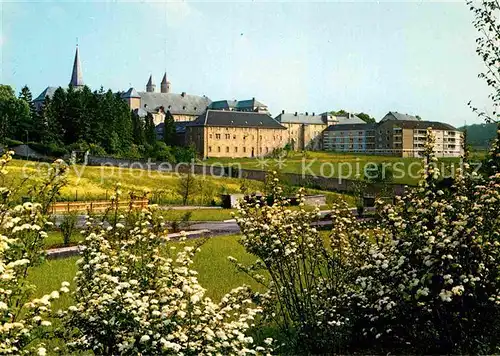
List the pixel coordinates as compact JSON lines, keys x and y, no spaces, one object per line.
{"x":480,"y":135}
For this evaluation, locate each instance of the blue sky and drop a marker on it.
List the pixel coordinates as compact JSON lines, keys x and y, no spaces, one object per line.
{"x":411,"y":57}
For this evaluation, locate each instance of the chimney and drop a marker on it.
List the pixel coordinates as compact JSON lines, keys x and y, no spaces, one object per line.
{"x":295,"y":114}
{"x":307,"y":114}
{"x":282,"y":111}
{"x":183,"y":94}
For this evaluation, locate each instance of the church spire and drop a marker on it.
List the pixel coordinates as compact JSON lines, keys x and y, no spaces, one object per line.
{"x":150,"y":87}
{"x":165,"y":84}
{"x":76,"y":75}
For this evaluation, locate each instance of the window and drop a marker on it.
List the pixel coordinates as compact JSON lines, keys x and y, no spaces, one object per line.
{"x":236,"y":150}
{"x":234,"y":137}
{"x":218,"y":149}
{"x":227,"y":149}
{"x":267,"y":150}
{"x":209,"y":148}
{"x":210,"y":136}
{"x":244,"y":149}
{"x":260,"y":149}
{"x":260,"y":137}
{"x":217,"y":136}
{"x":228,"y":136}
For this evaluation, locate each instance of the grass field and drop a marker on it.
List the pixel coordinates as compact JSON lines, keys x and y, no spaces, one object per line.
{"x":216,"y":273}
{"x":97,"y":183}
{"x":335,"y":165}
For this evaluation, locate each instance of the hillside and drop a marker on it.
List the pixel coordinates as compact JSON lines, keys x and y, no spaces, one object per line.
{"x":480,"y":135}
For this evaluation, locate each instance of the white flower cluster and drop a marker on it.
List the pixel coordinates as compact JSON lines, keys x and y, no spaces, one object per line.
{"x":422,"y":277}
{"x":436,"y":263}
{"x":23,"y":320}
{"x":302,"y":297}
{"x":134,"y":296}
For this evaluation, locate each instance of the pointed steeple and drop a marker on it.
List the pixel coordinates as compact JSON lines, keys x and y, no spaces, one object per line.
{"x":76,"y":75}
{"x":165,"y":84}
{"x":150,"y":87}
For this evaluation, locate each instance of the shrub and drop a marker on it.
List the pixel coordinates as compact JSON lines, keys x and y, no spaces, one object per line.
{"x":24,"y":319}
{"x":135,"y":295}
{"x":306,"y":278}
{"x":436,"y":264}
{"x":68,"y":226}
{"x":431,"y":258}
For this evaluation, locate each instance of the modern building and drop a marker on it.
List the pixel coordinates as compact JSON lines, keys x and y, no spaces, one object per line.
{"x":353,"y":137}
{"x":396,"y":134}
{"x":221,"y":133}
{"x":183,"y":106}
{"x":304,"y":131}
{"x":406,"y":138}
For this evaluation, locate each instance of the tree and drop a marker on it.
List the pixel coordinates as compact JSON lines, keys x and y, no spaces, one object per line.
{"x":363,"y":116}
{"x":188,"y":186}
{"x":487,"y":23}
{"x":14,"y":115}
{"x":366,"y":118}
{"x":169,"y":129}
{"x":137,"y":129}
{"x":149,"y":130}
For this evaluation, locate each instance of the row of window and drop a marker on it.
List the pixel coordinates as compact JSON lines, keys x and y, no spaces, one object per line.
{"x":228,"y":137}
{"x":235,"y":149}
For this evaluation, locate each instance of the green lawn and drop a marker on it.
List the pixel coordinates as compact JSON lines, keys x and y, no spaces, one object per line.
{"x":55,"y":239}
{"x":200,"y":214}
{"x":216,"y":273}
{"x":335,"y":165}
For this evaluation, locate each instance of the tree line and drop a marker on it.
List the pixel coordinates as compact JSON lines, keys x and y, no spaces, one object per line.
{"x":79,"y":119}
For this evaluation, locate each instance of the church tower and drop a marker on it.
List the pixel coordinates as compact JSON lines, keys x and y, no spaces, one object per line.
{"x":76,"y":75}
{"x":165,"y":84}
{"x":150,"y":87}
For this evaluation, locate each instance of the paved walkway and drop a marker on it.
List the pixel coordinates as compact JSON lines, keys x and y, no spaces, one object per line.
{"x":75,"y":250}
{"x":196,"y":229}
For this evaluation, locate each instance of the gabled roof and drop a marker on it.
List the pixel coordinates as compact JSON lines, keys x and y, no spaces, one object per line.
{"x":348,"y":127}
{"x":48,"y":92}
{"x":422,"y":125}
{"x":180,"y":127}
{"x":346,"y":119}
{"x":222,"y":118}
{"x":177,"y":104}
{"x":394,"y":115}
{"x":131,"y":93}
{"x":300,"y":119}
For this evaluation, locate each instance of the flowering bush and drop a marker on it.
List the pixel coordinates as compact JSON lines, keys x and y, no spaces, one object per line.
{"x":135,"y":294}
{"x":308,"y":276}
{"x":436,"y":265}
{"x":23,"y":320}
{"x":431,"y":258}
